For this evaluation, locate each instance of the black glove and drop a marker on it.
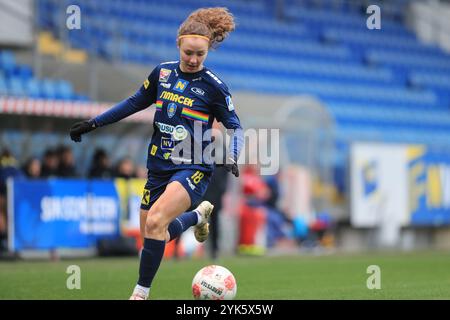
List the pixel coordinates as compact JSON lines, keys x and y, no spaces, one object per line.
{"x":80,"y":128}
{"x":233,"y":167}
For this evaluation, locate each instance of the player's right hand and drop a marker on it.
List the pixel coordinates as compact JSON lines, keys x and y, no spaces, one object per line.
{"x":81,"y":128}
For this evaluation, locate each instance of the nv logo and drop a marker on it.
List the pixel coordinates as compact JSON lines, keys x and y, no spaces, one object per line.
{"x":180,"y":85}
{"x":146,"y":197}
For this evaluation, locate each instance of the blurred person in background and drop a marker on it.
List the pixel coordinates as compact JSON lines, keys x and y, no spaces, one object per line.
{"x":279,"y":225}
{"x":100,"y":165}
{"x":66,"y":163}
{"x":50,"y":164}
{"x":32,"y":168}
{"x":185,"y":93}
{"x":141,"y":172}
{"x":8,"y":169}
{"x":259,"y":213}
{"x":214,"y":194}
{"x":125,"y":168}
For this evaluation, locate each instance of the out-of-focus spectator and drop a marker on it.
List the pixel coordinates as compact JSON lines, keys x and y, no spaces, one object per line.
{"x":125,"y":168}
{"x":254,"y":187}
{"x":141,"y":172}
{"x":260,"y":208}
{"x":278,"y":222}
{"x":3,"y":224}
{"x":32,"y":168}
{"x":66,"y":165}
{"x":100,"y":165}
{"x":50,"y":163}
{"x":214,"y":194}
{"x":8,"y":169}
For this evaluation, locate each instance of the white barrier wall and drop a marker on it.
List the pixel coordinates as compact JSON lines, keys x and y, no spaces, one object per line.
{"x":395,"y":186}
{"x":16,"y":22}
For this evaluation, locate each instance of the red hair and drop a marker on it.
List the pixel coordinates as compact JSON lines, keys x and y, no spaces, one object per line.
{"x":212,"y":23}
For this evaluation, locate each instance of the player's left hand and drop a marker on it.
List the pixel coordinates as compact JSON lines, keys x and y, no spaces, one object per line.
{"x":232,"y":167}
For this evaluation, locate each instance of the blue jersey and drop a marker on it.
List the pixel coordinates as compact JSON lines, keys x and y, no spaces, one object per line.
{"x":186,"y":106}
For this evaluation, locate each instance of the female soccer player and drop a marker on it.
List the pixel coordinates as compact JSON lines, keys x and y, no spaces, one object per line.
{"x":187,"y":95}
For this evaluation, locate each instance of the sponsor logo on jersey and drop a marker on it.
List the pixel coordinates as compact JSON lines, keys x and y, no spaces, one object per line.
{"x":180,"y":85}
{"x":178,"y":133}
{"x":197,"y":79}
{"x":198,"y":91}
{"x":145,"y":197}
{"x":214,"y":77}
{"x":146,"y":83}
{"x":191,"y":185}
{"x":165,"y":85}
{"x":166,"y":95}
{"x":171,"y":109}
{"x":229,"y":103}
{"x":166,"y":143}
{"x":166,"y":155}
{"x":165,"y":128}
{"x":164,"y":74}
{"x":181,"y":160}
{"x":154,"y":149}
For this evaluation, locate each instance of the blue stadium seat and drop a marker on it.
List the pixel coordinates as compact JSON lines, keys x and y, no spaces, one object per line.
{"x":64,"y":90}
{"x":33,"y":88}
{"x":16,"y":87}
{"x":7,"y":62}
{"x":3,"y":87}
{"x":17,"y":80}
{"x":48,"y":89}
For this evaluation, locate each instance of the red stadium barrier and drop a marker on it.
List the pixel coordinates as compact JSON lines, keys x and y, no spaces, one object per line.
{"x":64,"y":109}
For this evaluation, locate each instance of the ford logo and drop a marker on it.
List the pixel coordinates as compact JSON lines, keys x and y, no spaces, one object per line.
{"x":198,"y":91}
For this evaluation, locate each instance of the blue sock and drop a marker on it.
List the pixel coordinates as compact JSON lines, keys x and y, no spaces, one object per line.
{"x":151,"y":257}
{"x":182,"y":223}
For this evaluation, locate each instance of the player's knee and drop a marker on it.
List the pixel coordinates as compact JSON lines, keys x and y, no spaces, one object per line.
{"x":154,"y":223}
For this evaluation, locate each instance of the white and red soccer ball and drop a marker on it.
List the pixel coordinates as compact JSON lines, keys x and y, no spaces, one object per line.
{"x":214,"y":283}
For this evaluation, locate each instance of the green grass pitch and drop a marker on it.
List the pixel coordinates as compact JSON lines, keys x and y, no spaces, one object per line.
{"x":418,"y":275}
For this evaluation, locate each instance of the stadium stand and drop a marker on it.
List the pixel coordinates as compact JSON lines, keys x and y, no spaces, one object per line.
{"x":17,"y":80}
{"x":362,"y":76}
{"x":379,"y":85}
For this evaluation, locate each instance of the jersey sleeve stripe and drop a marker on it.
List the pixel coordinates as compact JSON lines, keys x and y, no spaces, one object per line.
{"x":159,"y":105}
{"x":194,"y":115}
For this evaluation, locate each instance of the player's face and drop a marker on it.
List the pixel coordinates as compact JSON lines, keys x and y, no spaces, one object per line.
{"x":193,"y":52}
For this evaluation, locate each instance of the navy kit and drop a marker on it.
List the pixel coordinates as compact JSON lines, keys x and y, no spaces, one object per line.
{"x":186,"y":106}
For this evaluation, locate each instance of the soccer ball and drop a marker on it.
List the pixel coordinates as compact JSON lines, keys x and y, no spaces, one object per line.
{"x":214,"y":283}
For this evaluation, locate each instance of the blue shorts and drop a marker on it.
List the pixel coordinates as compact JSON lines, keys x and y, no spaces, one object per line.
{"x":194,"y":181}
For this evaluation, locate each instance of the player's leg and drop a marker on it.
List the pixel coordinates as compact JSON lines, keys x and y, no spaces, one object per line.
{"x":173,"y":201}
{"x":143,"y":218}
{"x":198,"y":217}
{"x":195,"y":183}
